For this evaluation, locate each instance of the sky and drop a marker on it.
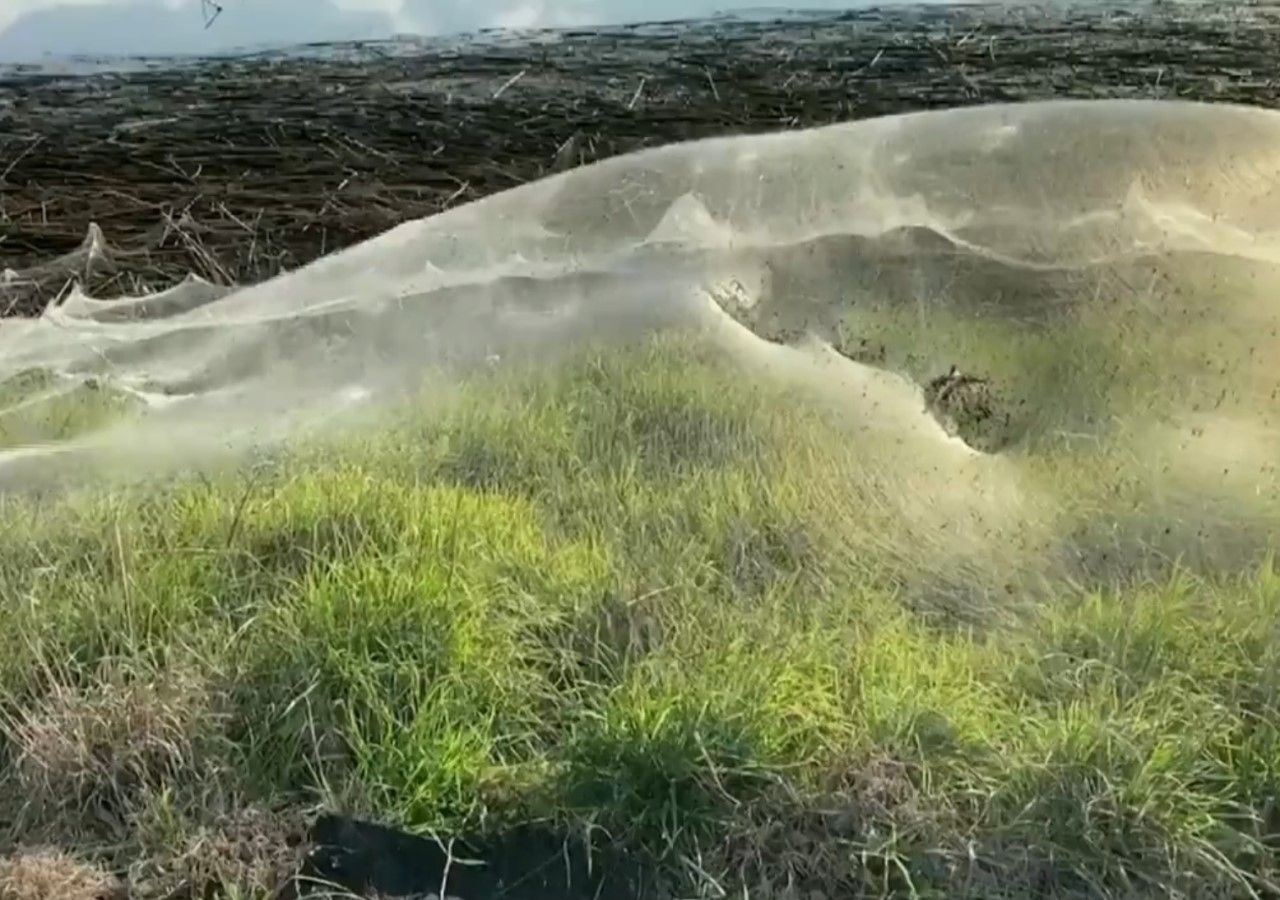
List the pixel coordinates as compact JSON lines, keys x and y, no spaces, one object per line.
{"x":34,"y":29}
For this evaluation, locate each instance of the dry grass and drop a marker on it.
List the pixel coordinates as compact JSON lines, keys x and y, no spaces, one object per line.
{"x":240,"y":168}
{"x":96,"y":753}
{"x":246,"y":852}
{"x":48,"y":874}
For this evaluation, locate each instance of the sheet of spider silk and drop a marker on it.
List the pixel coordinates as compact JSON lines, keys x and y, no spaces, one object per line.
{"x":1110,"y":266}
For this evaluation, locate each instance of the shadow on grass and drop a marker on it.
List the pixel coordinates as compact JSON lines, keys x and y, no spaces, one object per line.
{"x":527,"y":863}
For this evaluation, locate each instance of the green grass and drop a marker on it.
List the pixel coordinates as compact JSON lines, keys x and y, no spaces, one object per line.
{"x":637,"y":593}
{"x":1068,"y":378}
{"x":35,"y":408}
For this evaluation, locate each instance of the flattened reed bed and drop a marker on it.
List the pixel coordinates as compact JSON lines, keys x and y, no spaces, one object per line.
{"x":239,"y":168}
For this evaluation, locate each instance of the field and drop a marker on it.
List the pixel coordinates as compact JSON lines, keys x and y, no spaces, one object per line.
{"x":238,"y":168}
{"x":635,"y":625}
{"x":627,"y":599}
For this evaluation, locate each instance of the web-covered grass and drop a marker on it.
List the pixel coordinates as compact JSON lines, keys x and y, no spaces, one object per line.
{"x":640,"y":593}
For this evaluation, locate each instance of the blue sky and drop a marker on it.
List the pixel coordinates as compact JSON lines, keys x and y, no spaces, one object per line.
{"x":31,"y":29}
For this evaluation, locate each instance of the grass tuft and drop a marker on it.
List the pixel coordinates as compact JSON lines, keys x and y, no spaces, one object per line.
{"x":95,"y":752}
{"x":53,"y":875}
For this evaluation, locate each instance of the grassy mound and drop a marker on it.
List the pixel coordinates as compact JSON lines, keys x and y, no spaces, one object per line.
{"x":36,"y":406}
{"x":634,"y":593}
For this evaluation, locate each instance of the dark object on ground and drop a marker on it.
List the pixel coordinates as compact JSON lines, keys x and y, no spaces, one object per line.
{"x":237,"y":169}
{"x":967,"y":407}
{"x":366,"y":859}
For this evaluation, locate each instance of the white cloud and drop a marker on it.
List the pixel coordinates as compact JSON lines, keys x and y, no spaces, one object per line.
{"x":522,"y":15}
{"x":10,"y":10}
{"x":400,"y":18}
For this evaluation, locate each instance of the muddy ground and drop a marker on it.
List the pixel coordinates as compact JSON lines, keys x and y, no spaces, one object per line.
{"x":237,"y":168}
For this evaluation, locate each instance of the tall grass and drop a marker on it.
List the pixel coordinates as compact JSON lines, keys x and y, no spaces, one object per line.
{"x":634,"y":593}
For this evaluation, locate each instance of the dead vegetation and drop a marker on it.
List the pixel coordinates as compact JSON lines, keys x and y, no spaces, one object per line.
{"x":47,"y":874}
{"x":97,"y":754}
{"x":114,"y":767}
{"x":119,"y":769}
{"x":238,"y":168}
{"x":248,"y":852}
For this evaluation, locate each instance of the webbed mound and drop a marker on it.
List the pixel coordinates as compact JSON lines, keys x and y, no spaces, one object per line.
{"x":1107,"y":266}
{"x":38,"y":406}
